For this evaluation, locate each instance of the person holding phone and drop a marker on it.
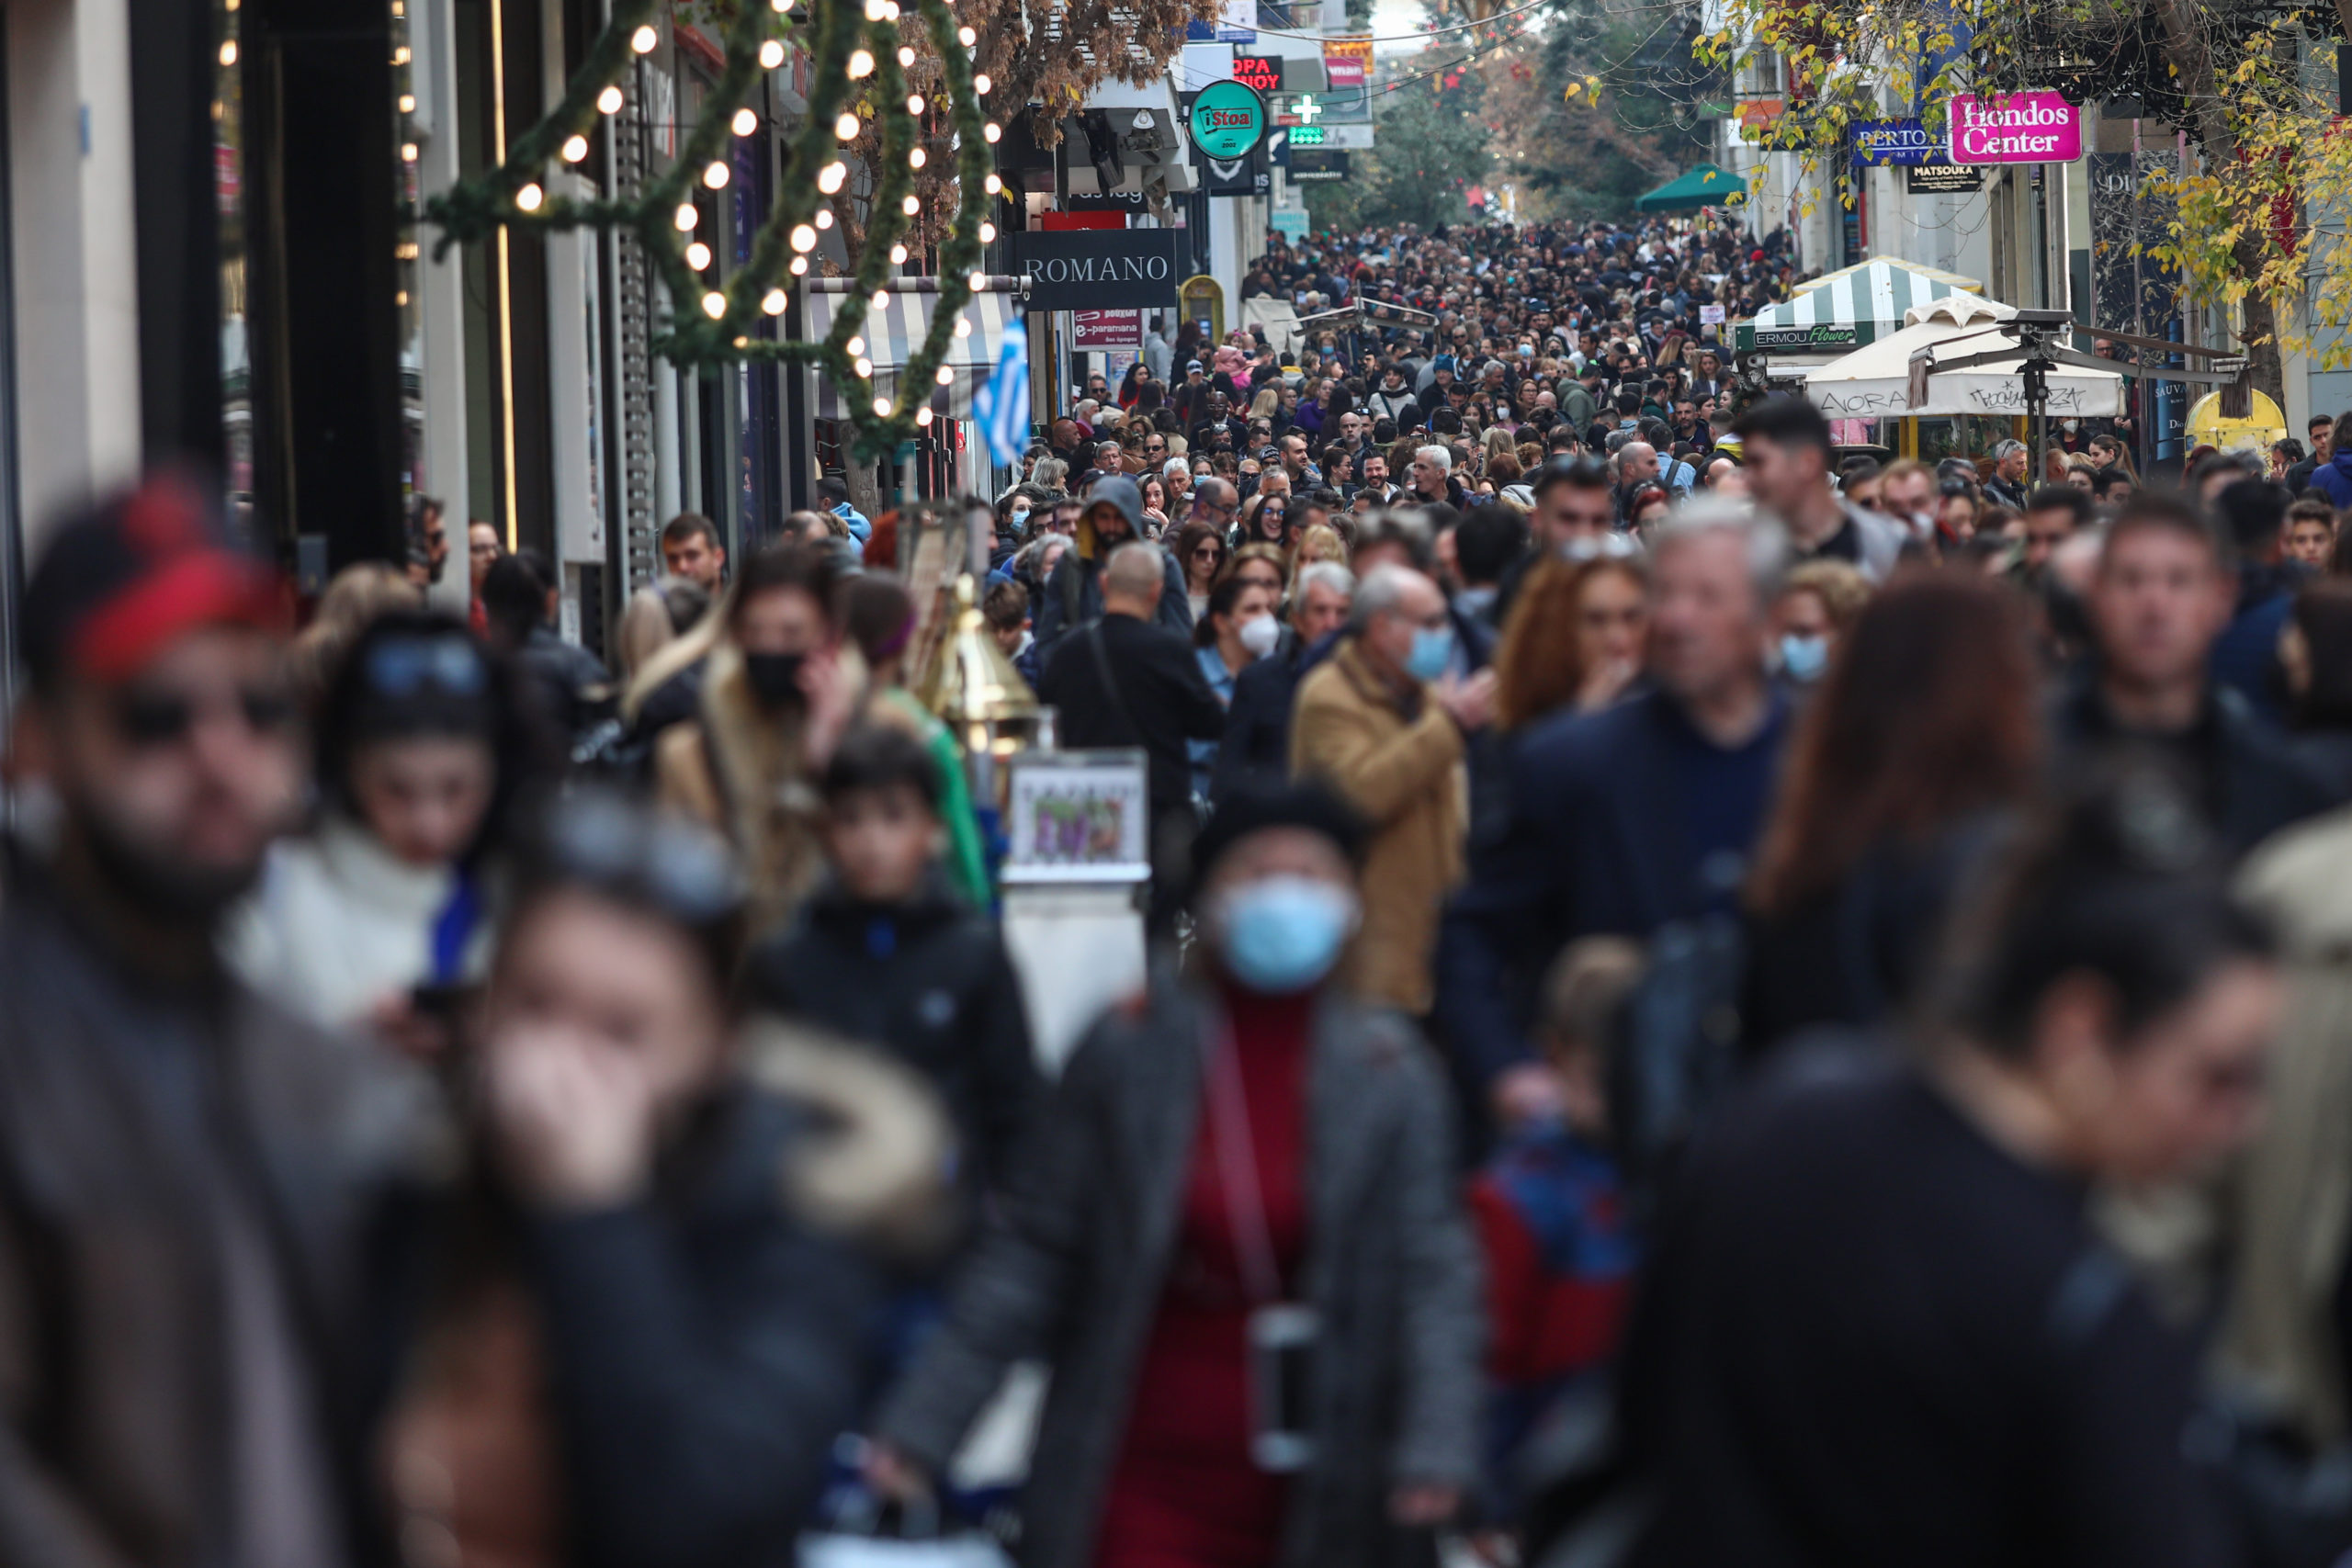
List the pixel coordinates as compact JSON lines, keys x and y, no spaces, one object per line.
{"x":1235,"y":1234}
{"x":380,"y":915}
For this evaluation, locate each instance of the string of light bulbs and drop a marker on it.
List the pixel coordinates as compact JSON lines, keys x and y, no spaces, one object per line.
{"x":849,"y":43}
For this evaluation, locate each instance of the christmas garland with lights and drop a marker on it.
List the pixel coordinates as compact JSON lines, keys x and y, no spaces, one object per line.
{"x":850,"y":42}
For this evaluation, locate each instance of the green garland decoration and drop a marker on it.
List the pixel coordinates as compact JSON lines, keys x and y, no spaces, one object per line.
{"x":716,"y":326}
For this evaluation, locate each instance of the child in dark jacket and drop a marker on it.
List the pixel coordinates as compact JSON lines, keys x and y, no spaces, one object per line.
{"x":889,"y":954}
{"x":1550,"y":1219}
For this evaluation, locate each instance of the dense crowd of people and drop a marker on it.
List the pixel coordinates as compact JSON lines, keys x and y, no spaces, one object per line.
{"x":1710,"y":1002}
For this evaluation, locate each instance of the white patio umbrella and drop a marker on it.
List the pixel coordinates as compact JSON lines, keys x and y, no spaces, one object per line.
{"x":1874,"y":381}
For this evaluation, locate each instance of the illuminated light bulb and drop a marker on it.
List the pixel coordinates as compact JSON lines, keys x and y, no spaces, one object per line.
{"x":982,"y":83}
{"x":923,"y":416}
{"x":967,"y":37}
{"x":882,"y":408}
{"x":804,"y":238}
{"x":915,"y":103}
{"x":228,"y":52}
{"x":861,"y":64}
{"x":877,"y":9}
{"x":991,"y":131}
{"x":408,"y":103}
{"x":401,"y":55}
{"x":687,"y":218}
{"x":987,"y":234}
{"x":780,"y":6}
{"x":800,"y":266}
{"x":881,"y":299}
{"x":897,"y":255}
{"x":963,"y":326}
{"x":917,"y":158}
{"x":863,"y":365}
{"x":993,"y":184}
{"x":846,"y":128}
{"x":911,"y":205}
{"x":774,"y":301}
{"x":527,"y":199}
{"x":829,"y":177}
{"x":824,"y":217}
{"x":746,"y":122}
{"x":771,"y":55}
{"x":644,"y":39}
{"x":714,"y":304}
{"x":574,"y":149}
{"x":855,"y":347}
{"x":698,"y":255}
{"x":905,"y":57}
{"x":609,"y":101}
{"x":408,"y":152}
{"x":890,"y":12}
{"x":401,"y":298}
{"x":715,"y":175}
{"x":979,"y":281}
{"x":946,"y":377}
{"x":742,"y":342}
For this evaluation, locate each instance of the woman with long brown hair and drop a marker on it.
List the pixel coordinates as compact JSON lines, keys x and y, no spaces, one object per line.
{"x":1573,"y":640}
{"x":1922,"y":738}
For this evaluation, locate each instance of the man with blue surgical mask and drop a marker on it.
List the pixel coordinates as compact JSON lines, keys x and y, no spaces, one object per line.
{"x":1383,"y":725}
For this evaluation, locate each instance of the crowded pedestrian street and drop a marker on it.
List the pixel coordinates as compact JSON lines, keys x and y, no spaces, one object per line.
{"x":846,"y":784}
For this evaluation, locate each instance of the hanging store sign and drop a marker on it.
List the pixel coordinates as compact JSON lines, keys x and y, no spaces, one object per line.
{"x":1227,"y":119}
{"x":1102,"y":269}
{"x":2016,"y":128}
{"x":1245,"y":176}
{"x":1883,"y":141}
{"x":1106,"y":329}
{"x":1940,"y":179}
{"x":1258,"y":72}
{"x":1308,"y":166}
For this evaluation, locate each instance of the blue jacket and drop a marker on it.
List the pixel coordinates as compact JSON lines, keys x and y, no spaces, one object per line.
{"x":2333,"y":479}
{"x":859,"y":529}
{"x":1593,"y":841}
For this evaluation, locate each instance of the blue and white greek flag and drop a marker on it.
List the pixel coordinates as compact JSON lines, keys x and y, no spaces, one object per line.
{"x":1002,"y":406}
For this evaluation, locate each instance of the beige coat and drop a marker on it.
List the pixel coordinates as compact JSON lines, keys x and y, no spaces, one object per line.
{"x":743,"y":772}
{"x":1399,"y":764}
{"x":2290,"y":1211}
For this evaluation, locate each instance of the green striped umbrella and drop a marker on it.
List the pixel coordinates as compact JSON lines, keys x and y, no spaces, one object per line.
{"x":1846,"y":310}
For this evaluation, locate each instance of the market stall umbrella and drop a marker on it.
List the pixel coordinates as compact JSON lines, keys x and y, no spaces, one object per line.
{"x":1846,"y":310}
{"x":1705,"y":186}
{"x":1875,"y":382}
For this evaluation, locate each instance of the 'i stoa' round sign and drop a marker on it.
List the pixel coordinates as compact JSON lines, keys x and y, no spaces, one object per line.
{"x":1228,"y":120}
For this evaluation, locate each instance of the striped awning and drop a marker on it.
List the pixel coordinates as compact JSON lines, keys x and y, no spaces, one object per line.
{"x":893,"y":333}
{"x":1844,"y":311}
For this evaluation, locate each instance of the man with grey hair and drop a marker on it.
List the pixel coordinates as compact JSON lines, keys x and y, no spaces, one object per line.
{"x":1385,"y":726}
{"x":1432,"y":477}
{"x":1123,"y":681}
{"x":1627,"y":820}
{"x":1257,"y":727}
{"x":2009,"y":482}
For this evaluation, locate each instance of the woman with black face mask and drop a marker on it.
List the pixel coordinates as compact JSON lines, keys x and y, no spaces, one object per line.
{"x":780,"y":687}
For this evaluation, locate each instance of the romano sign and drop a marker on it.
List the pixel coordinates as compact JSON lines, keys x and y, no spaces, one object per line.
{"x":1101,"y":268}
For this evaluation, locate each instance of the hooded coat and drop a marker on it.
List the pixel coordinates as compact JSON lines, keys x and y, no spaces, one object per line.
{"x":1073,"y":595}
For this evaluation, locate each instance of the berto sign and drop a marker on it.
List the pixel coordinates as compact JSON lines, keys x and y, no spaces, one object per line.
{"x":2018,"y":127}
{"x":1096,"y":269}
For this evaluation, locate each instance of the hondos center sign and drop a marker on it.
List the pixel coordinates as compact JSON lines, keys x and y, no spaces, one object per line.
{"x":1095,"y":269}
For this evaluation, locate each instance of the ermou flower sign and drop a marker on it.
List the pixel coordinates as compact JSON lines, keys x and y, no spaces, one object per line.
{"x":2016,"y":128}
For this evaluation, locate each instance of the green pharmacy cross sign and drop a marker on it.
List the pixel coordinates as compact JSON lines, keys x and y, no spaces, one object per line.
{"x":1228,"y":120}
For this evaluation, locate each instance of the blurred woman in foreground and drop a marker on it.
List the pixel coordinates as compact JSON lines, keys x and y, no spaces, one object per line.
{"x":1880,"y":1327}
{"x":625,"y":1348}
{"x":1924,"y":733}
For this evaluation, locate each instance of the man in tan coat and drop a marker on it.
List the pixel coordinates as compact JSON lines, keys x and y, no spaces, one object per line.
{"x":1382,"y":723}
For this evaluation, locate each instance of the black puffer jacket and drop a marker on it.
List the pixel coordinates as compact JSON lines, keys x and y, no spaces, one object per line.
{"x":929,"y":981}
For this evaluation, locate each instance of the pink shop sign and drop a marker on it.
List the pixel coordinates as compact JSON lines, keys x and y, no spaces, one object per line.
{"x":2016,"y":128}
